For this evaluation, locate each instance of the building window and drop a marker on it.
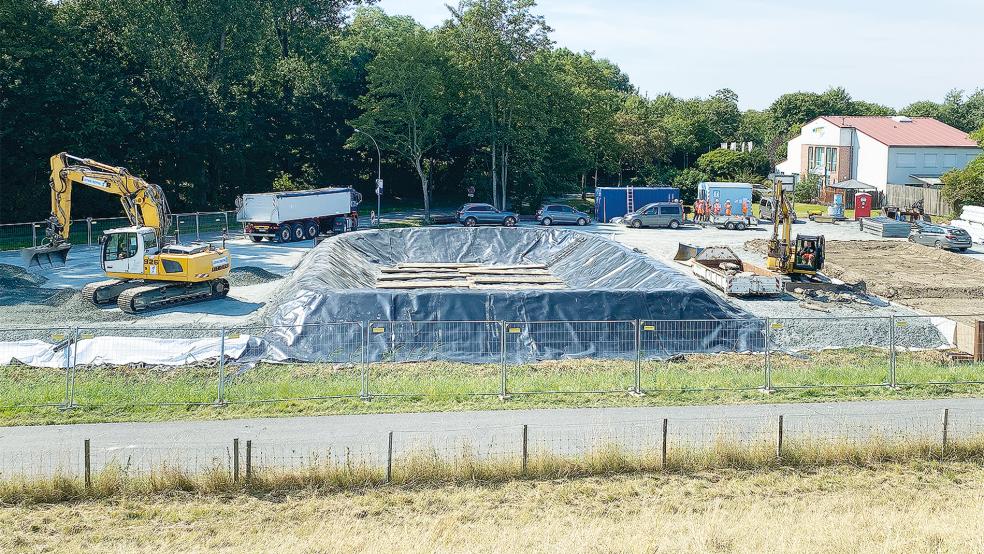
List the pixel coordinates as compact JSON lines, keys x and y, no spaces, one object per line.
{"x":905,"y":160}
{"x":949,"y":160}
{"x":832,"y":160}
{"x":929,"y":160}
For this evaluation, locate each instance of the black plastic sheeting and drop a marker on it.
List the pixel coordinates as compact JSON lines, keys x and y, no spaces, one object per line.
{"x":610,"y":288}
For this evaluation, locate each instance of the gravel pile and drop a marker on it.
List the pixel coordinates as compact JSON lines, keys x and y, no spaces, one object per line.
{"x":246,"y":276}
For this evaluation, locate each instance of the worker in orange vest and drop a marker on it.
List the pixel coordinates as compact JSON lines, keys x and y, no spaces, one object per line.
{"x":744,"y":207}
{"x":727,"y":207}
{"x":698,"y":209}
{"x":717,"y":207}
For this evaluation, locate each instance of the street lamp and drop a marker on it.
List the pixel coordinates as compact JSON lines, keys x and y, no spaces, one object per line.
{"x":379,"y":177}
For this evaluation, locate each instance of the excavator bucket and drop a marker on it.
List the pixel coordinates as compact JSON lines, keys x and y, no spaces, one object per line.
{"x":687,"y":252}
{"x":45,"y":256}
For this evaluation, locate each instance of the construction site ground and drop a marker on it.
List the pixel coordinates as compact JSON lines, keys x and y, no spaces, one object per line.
{"x":907,"y":278}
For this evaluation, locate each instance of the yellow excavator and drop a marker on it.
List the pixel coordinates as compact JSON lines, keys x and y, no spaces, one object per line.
{"x":147,"y":268}
{"x":800,"y":258}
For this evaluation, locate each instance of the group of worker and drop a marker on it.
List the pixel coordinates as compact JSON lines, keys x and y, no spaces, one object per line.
{"x":704,"y":209}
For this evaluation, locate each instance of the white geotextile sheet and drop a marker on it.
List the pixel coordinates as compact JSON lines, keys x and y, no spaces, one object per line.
{"x":125,"y":350}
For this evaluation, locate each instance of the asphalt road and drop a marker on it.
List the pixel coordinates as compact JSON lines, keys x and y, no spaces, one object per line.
{"x":300,"y":440}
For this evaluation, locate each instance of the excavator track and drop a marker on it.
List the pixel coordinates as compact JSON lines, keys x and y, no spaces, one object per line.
{"x":106,"y":292}
{"x":162,"y":295}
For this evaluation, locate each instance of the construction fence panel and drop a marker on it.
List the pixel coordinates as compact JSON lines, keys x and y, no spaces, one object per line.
{"x":939,"y":349}
{"x":434,"y":358}
{"x":34,"y":367}
{"x":99,"y":226}
{"x":136,"y":367}
{"x":14,"y":236}
{"x":570,"y":356}
{"x":702,"y":354}
{"x":260,"y":364}
{"x":829,"y":352}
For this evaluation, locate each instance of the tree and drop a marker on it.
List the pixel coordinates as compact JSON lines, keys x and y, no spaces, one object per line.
{"x":405,"y":105}
{"x":491,"y":42}
{"x":965,"y":187}
{"x":687,"y":181}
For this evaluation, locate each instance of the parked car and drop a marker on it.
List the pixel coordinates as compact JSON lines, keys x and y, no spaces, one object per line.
{"x":945,"y":237}
{"x":657,"y":214}
{"x":558,"y":214}
{"x":471,"y":215}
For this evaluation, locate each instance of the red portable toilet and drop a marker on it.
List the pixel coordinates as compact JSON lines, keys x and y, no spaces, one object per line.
{"x":862,"y":205}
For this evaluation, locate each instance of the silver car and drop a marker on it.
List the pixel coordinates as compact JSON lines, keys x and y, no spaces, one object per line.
{"x":657,"y":214}
{"x":558,"y":214}
{"x":944,"y":237}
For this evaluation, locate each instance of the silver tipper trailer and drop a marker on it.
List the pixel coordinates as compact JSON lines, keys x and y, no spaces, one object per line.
{"x":298,"y":215}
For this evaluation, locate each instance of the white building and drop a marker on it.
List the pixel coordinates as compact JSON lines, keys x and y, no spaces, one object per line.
{"x":878,"y":150}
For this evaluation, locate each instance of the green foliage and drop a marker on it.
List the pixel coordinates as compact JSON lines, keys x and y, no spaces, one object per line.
{"x":806,"y":190}
{"x":963,"y":187}
{"x":687,"y":181}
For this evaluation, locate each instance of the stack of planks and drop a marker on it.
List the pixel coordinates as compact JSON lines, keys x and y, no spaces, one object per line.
{"x":467,"y":275}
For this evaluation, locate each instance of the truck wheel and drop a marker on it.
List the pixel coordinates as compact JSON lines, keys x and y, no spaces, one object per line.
{"x":674,"y":224}
{"x":729,"y":226}
{"x":311,"y":229}
{"x":740,"y":227}
{"x":297,"y":231}
{"x":636,"y":224}
{"x":255,"y":238}
{"x":284,"y":234}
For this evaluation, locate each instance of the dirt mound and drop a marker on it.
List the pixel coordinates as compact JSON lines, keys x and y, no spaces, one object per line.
{"x":18,"y":286}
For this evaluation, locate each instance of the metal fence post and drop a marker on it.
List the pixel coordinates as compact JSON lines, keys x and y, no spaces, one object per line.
{"x":88,"y":230}
{"x":87,"y":460}
{"x":526,"y":457}
{"x":662,"y":457}
{"x":220,"y":393}
{"x":779,"y":431}
{"x":70,"y":352}
{"x":946,"y":429}
{"x":198,"y":234}
{"x":235,"y":460}
{"x":891,"y":352}
{"x":249,"y":459}
{"x":637,"y":384}
{"x":389,"y":458}
{"x":364,"y":393}
{"x":503,"y":392}
{"x":34,"y":234}
{"x":226,"y":216}
{"x":768,"y":356}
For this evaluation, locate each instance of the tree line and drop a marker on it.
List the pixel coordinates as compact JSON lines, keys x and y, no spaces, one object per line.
{"x":216,"y":98}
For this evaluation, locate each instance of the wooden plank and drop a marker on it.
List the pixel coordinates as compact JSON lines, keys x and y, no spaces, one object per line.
{"x":419,"y":270}
{"x":433,"y":265}
{"x":497,"y":271}
{"x":496,"y":279}
{"x":520,"y":286}
{"x":422,"y":275}
{"x":423,"y":284}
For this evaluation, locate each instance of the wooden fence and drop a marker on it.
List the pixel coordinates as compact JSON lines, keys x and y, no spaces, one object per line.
{"x":904,"y":196}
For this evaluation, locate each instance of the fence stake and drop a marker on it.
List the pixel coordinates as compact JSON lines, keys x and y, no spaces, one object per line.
{"x":389,"y":458}
{"x":87,"y":457}
{"x":88,"y":231}
{"x":525,"y":451}
{"x":503,"y":392}
{"x":249,"y":459}
{"x":768,"y":357}
{"x":220,"y":394}
{"x":235,"y":460}
{"x":891,"y":352}
{"x":364,"y":393}
{"x":637,"y":385}
{"x":198,"y":235}
{"x":73,"y":335}
{"x":34,"y":235}
{"x":779,"y":439}
{"x":662,"y":457}
{"x":946,"y":429}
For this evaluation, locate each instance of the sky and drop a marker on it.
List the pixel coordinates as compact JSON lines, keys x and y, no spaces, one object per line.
{"x":890,"y":52}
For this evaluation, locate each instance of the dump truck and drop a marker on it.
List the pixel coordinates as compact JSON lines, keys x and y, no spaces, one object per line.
{"x":298,"y":215}
{"x":722,"y":268}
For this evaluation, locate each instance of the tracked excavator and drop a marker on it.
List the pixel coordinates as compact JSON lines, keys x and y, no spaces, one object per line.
{"x":799,"y":258}
{"x":147,"y":268}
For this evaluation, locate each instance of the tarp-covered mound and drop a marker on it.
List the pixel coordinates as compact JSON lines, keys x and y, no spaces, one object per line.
{"x":605,"y":282}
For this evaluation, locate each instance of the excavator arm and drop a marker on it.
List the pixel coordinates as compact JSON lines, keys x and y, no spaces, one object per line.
{"x":144,"y":203}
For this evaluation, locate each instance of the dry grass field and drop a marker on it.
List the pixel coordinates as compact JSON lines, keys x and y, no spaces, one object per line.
{"x":906,"y":507}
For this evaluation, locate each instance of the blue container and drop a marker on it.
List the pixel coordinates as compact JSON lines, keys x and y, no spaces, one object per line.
{"x":613,"y":202}
{"x":722,"y":192}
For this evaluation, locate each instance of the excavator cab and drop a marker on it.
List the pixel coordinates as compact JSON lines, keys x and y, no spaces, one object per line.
{"x":123,"y":249}
{"x":809,"y":254}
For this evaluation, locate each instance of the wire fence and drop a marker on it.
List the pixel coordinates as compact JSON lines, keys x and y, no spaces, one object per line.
{"x":133,"y":366}
{"x":189,"y":226}
{"x":621,"y":442}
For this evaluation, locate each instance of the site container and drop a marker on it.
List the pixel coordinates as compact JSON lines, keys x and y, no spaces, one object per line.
{"x":722,"y":192}
{"x":611,"y":202}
